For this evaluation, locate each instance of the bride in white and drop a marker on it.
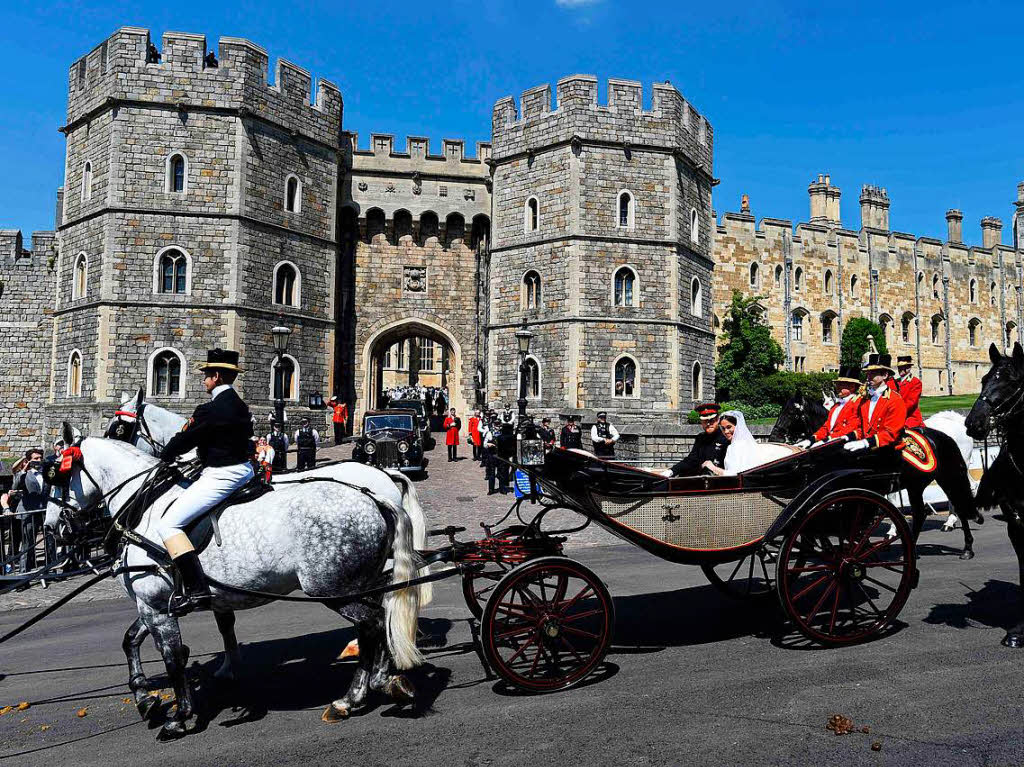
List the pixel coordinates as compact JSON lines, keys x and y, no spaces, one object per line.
{"x":743,"y":452}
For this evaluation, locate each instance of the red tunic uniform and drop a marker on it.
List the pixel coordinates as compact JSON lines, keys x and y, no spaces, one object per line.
{"x":909,"y":387}
{"x":884,"y":426}
{"x":451,"y":429}
{"x":474,"y":431}
{"x":340,"y":414}
{"x":846,"y":422}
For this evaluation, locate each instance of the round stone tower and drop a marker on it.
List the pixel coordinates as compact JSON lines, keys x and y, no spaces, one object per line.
{"x":602,"y":248}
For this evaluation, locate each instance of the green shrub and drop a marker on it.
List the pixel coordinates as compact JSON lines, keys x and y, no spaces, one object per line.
{"x":854,"y":344}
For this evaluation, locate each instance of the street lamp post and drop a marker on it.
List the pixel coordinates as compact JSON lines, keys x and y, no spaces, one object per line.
{"x":280,"y":335}
{"x":523,"y":338}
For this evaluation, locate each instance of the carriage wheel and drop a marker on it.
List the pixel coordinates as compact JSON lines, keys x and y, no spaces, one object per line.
{"x":547,"y":624}
{"x":841,"y":578}
{"x":477,"y":586}
{"x":752,"y":577}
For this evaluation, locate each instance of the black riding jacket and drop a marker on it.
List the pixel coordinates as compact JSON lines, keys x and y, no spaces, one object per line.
{"x":220,"y":430}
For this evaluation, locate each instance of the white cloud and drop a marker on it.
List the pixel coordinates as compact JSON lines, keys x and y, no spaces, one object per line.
{"x":575,"y":3}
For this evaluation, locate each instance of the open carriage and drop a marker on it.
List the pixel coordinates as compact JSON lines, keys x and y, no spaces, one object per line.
{"x":812,"y":528}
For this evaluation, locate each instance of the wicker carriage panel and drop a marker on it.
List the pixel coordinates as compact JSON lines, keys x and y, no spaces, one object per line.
{"x":701,"y":522}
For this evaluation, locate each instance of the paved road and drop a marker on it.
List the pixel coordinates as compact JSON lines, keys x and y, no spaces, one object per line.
{"x":692,"y":678}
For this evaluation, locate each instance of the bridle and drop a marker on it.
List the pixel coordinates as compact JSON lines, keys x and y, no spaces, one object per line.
{"x":126,"y":431}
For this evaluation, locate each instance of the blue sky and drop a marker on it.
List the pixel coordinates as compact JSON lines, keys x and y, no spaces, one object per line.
{"x":925,"y":99}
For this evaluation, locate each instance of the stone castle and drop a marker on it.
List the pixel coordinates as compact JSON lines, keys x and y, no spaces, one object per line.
{"x":204,"y":204}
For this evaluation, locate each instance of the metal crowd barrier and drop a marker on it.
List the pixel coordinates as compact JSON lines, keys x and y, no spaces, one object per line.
{"x":30,"y":555}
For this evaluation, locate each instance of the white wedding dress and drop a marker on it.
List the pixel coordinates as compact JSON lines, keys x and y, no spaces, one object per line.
{"x":743,"y":450}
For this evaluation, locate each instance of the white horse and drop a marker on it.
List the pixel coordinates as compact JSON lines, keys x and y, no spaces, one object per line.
{"x":323,"y":538}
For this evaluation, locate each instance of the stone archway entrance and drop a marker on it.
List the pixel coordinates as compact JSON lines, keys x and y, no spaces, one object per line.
{"x":409,"y":353}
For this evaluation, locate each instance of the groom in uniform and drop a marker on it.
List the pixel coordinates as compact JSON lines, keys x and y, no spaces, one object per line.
{"x":709,"y":445}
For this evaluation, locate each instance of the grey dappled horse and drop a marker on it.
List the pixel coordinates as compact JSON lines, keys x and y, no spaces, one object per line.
{"x":323,"y":538}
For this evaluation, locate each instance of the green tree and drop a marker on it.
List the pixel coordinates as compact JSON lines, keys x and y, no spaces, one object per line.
{"x":855,"y":340}
{"x":748,"y":352}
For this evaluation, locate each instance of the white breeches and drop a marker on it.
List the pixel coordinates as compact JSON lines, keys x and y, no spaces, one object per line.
{"x":214,"y":485}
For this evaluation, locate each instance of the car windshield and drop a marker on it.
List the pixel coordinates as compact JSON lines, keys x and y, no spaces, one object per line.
{"x":380,"y":422}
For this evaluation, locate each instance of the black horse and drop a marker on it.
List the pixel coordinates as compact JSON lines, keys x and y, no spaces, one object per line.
{"x":803,"y":415}
{"x":1001,"y":406}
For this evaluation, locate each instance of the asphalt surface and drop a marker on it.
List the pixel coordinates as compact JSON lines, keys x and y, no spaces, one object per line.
{"x":692,"y":678}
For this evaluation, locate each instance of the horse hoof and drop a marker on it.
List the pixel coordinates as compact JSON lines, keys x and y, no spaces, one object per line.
{"x":400,"y":689}
{"x":173,"y":730}
{"x":967,"y":554}
{"x":334,"y":713}
{"x":147,"y":706}
{"x":980,"y":518}
{"x":1015,"y":641}
{"x":225,"y":675}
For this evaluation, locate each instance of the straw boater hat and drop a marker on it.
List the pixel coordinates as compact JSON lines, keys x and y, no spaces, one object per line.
{"x":879,"y":362}
{"x":708,"y":411}
{"x":848,"y":374}
{"x":221,"y":359}
{"x":904,"y":361}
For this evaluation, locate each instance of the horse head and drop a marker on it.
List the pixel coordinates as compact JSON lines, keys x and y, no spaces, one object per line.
{"x":68,"y":495}
{"x":800,"y":416}
{"x":1002,"y":392}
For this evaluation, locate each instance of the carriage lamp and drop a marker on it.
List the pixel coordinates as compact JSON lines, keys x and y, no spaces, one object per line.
{"x":280,"y":335}
{"x":316,"y":401}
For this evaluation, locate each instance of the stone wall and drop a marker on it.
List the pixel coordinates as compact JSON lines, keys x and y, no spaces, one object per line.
{"x":26,"y":306}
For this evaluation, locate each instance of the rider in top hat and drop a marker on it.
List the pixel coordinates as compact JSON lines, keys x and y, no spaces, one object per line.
{"x":220,"y":432}
{"x":882,"y":412}
{"x":709,"y":445}
{"x":909,"y":386}
{"x":844,"y":417}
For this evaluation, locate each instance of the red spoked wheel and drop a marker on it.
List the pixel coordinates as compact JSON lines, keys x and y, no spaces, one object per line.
{"x":477,"y":586}
{"x":751,"y":577}
{"x":547,"y":624}
{"x":841,"y":578}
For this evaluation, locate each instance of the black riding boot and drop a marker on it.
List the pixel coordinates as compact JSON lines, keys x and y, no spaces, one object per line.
{"x":195,"y":593}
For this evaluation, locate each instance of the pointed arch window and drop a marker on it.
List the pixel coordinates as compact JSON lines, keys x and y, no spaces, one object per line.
{"x":625,"y":380}
{"x":293,"y":194}
{"x":531,"y":215}
{"x":754,"y":272}
{"x":172,"y":276}
{"x":885,"y":322}
{"x":992,"y":293}
{"x":177,"y":173}
{"x":624,"y":287}
{"x":697,"y":382}
{"x":972,"y":291}
{"x":79,"y":277}
{"x":828,"y":327}
{"x":696,"y":298}
{"x":74,"y":386}
{"x":1011,"y":333}
{"x":694,"y":227}
{"x":853,"y":284}
{"x":284,"y":378}
{"x":797,"y":323}
{"x":828,"y":282}
{"x":972,"y":331}
{"x":798,"y":278}
{"x":937,"y":329}
{"x":531,"y":374}
{"x":625,"y":210}
{"x":905,"y":322}
{"x":778,"y":276}
{"x":935,"y":286}
{"x":531,"y":295}
{"x":286,"y":284}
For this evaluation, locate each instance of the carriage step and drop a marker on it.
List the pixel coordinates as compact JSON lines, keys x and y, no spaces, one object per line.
{"x":448,"y":531}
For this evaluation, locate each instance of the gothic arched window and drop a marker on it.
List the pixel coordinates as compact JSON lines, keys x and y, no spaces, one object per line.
{"x":75,"y":374}
{"x":165,"y":377}
{"x":625,"y":287}
{"x":531,"y":296}
{"x":532,"y":376}
{"x":173,"y":272}
{"x":79,"y":276}
{"x":625,"y":210}
{"x":293,"y":194}
{"x":286,"y":284}
{"x":696,"y":298}
{"x":531,"y":215}
{"x":176,"y":173}
{"x":625,"y":377}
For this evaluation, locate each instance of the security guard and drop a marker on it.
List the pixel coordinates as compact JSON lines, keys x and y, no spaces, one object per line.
{"x":220,"y":431}
{"x":306,"y":440}
{"x":604,"y":436}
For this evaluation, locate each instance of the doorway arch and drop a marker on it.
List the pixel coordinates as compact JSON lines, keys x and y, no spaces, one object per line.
{"x":432,"y":357}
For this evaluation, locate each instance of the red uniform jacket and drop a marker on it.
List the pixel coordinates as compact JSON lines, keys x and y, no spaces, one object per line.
{"x":847,"y":422}
{"x":910,"y":390}
{"x":340,"y":413}
{"x":474,"y":431}
{"x":451,"y":428}
{"x":885,"y":426}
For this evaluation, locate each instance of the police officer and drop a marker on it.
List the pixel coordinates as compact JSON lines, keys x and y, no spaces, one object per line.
{"x":220,"y":431}
{"x":571,"y":438}
{"x":306,"y":440}
{"x":709,"y":445}
{"x":278,"y":440}
{"x":604,"y":436}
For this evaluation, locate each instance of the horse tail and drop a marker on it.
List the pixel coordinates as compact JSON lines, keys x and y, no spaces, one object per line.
{"x":412,"y":506}
{"x":402,"y":607}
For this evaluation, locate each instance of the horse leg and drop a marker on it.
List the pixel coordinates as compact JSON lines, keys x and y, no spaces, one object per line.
{"x":232,"y":658}
{"x":137,"y":682}
{"x":167,"y":635}
{"x":369,"y":633}
{"x":1015,"y":529}
{"x":968,"y":552}
{"x":395,"y":686}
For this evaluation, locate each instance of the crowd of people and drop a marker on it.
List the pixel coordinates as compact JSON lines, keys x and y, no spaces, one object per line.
{"x":434,"y":398}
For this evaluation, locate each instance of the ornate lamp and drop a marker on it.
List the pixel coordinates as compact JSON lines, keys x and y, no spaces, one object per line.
{"x":280,"y":335}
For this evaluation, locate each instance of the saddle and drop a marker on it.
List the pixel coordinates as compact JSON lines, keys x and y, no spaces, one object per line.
{"x":205,"y":528}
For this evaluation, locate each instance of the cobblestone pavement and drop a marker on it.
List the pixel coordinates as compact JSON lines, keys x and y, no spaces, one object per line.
{"x":451,"y":494}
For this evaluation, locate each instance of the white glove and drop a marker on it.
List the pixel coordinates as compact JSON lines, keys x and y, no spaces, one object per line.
{"x":857,"y":445}
{"x":819,"y":443}
{"x":803,"y":444}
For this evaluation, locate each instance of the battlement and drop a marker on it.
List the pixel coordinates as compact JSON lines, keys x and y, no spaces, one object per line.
{"x":184,"y":72}
{"x":382,"y":153}
{"x":13,"y":253}
{"x":672,"y":122}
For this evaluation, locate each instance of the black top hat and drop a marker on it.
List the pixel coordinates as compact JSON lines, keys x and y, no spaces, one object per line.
{"x":879,"y":362}
{"x":904,"y":361}
{"x":221,"y":359}
{"x":849,"y":374}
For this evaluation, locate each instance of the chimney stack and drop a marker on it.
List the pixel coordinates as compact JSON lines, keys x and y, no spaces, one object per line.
{"x":1018,"y":218}
{"x":874,"y":207}
{"x":824,"y":201}
{"x":991,"y":232}
{"x":955,"y":225}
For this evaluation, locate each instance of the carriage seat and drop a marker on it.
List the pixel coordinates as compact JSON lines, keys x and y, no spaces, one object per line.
{"x":203,"y":529}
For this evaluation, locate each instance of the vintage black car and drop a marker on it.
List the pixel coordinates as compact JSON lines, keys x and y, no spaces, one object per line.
{"x":422,"y":418}
{"x":391,"y":440}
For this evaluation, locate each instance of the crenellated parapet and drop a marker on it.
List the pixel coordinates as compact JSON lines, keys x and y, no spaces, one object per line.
{"x":383,"y":153}
{"x":671,"y":124}
{"x":184,"y":74}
